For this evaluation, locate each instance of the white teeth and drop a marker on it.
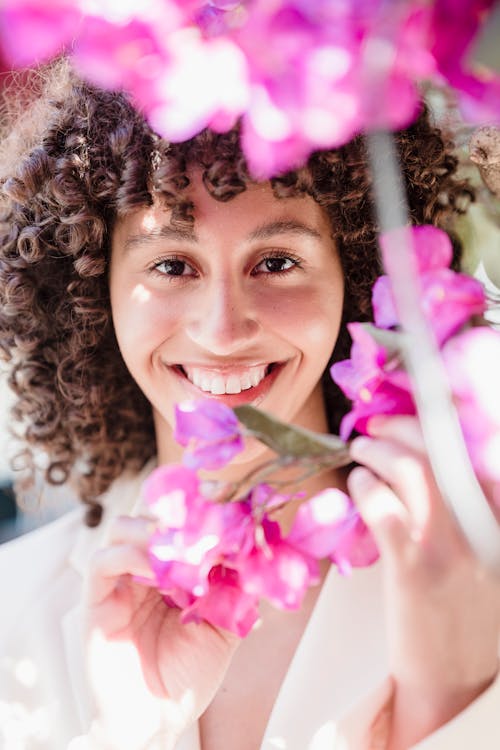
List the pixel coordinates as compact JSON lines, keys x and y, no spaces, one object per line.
{"x":218,"y":383}
{"x":245,"y":382}
{"x":255,"y":378}
{"x":233,"y":384}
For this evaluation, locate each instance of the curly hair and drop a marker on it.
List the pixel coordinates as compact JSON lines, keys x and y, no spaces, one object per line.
{"x":78,"y":159}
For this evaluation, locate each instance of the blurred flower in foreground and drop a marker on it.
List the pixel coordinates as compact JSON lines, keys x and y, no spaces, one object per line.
{"x":217,"y":560}
{"x":301,"y":75}
{"x":372,"y":380}
{"x":472,"y":360}
{"x":448,"y":299}
{"x":375,"y":379}
{"x":211,"y":431}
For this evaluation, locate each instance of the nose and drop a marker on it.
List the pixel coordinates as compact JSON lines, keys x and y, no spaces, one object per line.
{"x":225,"y":319}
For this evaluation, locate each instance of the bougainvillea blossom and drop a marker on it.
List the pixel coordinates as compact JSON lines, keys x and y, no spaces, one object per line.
{"x":301,"y":75}
{"x":372,"y":381}
{"x":377,"y":382}
{"x":448,"y":299}
{"x":329,"y":525}
{"x":226,"y":604}
{"x":472,"y":360}
{"x":32,"y":31}
{"x":217,"y":560}
{"x":454,"y":28}
{"x":211,"y":432}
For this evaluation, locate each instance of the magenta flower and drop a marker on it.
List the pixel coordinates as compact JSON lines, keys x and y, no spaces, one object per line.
{"x":32,"y":31}
{"x":275,"y":569}
{"x":454,"y":27}
{"x":126,"y":56}
{"x":226,"y":604}
{"x":193,"y":533}
{"x":301,"y":75}
{"x":374,"y":383}
{"x":169,"y":491}
{"x":472,"y":360}
{"x":448,"y":299}
{"x":216,"y":561}
{"x":211,"y":431}
{"x":329,"y":525}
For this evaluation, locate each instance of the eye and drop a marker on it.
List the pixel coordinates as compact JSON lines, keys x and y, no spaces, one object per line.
{"x":276,"y":264}
{"x":173,"y":267}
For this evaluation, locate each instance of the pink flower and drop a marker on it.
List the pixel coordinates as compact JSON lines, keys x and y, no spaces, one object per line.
{"x":455,"y":25}
{"x":472,"y":360}
{"x":372,"y":381}
{"x":211,"y":430}
{"x":216,"y":561}
{"x":34,"y":30}
{"x":226,"y":604}
{"x":277,"y":570}
{"x":115,"y":56}
{"x":189,"y":94}
{"x":193,"y":532}
{"x":301,"y":75}
{"x":448,"y":299}
{"x":169,"y":491}
{"x":329,"y":525}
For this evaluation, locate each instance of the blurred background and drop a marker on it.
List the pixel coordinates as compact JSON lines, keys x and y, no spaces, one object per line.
{"x":40,"y":506}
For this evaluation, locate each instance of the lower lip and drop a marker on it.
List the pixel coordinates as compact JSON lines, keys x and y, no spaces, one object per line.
{"x":254,"y":395}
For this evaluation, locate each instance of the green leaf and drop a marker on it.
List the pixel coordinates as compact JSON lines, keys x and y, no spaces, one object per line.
{"x":288,"y":440}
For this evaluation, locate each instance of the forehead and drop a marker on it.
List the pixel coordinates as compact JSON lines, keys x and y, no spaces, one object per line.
{"x":248,"y":213}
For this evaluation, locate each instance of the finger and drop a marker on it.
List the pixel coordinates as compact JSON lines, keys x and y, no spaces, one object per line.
{"x":401,"y":429}
{"x":381,"y":510}
{"x":409,"y":475}
{"x":109,"y":564}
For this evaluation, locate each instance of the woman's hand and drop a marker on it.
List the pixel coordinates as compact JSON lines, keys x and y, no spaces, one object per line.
{"x":442,"y":606}
{"x":151,"y":675}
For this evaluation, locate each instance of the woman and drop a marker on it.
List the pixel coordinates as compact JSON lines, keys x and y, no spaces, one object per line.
{"x":136,"y":274}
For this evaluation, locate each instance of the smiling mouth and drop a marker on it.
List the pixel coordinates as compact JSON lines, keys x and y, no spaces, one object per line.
{"x":217,"y":383}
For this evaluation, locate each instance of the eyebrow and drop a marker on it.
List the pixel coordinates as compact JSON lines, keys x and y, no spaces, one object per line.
{"x":283,"y":226}
{"x":263,"y":232}
{"x":165,"y":232}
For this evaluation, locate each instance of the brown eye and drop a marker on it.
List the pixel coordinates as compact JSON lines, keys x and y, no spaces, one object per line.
{"x":174,"y":267}
{"x":275,"y":264}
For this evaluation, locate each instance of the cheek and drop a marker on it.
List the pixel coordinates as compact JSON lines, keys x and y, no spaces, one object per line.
{"x":307,"y":317}
{"x":141,"y":319}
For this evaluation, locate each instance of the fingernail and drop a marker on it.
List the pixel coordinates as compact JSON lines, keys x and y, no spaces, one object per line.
{"x":359,"y":478}
{"x":359,"y":446}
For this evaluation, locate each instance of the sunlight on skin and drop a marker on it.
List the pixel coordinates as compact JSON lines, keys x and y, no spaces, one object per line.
{"x":113,"y":666}
{"x":141,"y":294}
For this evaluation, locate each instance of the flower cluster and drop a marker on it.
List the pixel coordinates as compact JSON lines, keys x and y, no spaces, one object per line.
{"x":301,"y":75}
{"x":374,"y":377}
{"x":215,"y":560}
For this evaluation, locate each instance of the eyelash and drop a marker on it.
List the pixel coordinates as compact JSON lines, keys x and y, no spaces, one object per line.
{"x":276,"y":254}
{"x":171,"y":259}
{"x":279,"y":254}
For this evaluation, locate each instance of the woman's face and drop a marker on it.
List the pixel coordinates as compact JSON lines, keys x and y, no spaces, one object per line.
{"x":245,"y":307}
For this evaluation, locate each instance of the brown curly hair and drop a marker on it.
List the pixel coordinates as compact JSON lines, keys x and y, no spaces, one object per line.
{"x":77,"y":159}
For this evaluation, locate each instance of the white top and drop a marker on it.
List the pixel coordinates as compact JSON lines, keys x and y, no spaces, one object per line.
{"x":335,"y":685}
